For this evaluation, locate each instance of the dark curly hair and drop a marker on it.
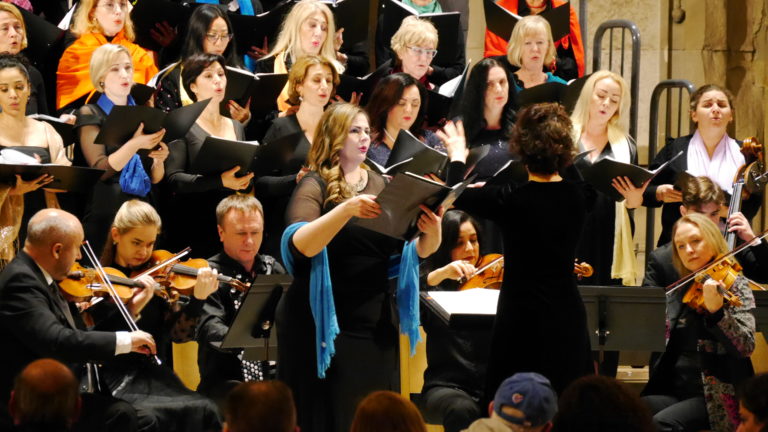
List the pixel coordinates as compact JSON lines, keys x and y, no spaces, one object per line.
{"x":474,"y":101}
{"x":17,"y":61}
{"x":194,"y":66}
{"x":386,"y":95}
{"x":542,"y":138}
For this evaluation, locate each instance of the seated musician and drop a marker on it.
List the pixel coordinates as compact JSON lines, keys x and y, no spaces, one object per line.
{"x":152,"y":388}
{"x":702,"y":195}
{"x":37,"y":322}
{"x":240,"y":220}
{"x":456,"y":359}
{"x":692,"y":385}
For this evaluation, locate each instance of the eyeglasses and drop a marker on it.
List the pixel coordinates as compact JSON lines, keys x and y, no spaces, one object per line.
{"x":213,"y":37}
{"x":417,"y":51}
{"x":115,"y":7}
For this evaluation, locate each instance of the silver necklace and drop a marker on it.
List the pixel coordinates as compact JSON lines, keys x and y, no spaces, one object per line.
{"x":360,"y":185}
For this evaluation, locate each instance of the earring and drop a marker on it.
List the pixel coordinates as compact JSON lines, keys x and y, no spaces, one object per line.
{"x":101,"y":84}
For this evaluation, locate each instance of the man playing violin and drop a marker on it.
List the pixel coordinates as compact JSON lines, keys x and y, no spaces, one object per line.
{"x":240,"y":222}
{"x":37,"y":322}
{"x":692,"y":385}
{"x":701,"y":195}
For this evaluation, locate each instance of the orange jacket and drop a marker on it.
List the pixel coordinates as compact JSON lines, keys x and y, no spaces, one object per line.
{"x":495,"y":45}
{"x":73,"y":79}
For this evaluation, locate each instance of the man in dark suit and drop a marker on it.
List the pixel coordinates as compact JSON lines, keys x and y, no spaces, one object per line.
{"x":702,"y":195}
{"x":240,"y":221}
{"x":37,"y":321}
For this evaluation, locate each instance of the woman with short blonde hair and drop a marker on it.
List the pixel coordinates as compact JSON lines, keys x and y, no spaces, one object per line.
{"x":415,"y":46}
{"x":531,"y":49}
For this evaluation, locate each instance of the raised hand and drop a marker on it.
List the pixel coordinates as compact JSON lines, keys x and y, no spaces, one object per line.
{"x":454,"y":140}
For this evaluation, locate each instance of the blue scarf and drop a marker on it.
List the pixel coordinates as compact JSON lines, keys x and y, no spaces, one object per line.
{"x":324,"y":310}
{"x":133,"y":179}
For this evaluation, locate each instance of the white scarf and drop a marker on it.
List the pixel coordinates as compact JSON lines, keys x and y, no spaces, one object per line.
{"x":722,"y":167}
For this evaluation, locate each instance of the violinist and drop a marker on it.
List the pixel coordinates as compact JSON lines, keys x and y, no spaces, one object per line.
{"x":155,"y":389}
{"x":240,"y":222}
{"x":692,"y":385}
{"x":37,"y":322}
{"x":701,"y":195}
{"x":456,"y":359}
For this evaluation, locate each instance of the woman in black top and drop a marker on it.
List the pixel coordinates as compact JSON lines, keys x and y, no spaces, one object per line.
{"x":540,"y":321}
{"x":456,"y":358}
{"x":338,"y":188}
{"x":195,"y":196}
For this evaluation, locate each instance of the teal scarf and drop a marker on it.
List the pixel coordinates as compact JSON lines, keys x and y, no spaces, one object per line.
{"x":433,"y":7}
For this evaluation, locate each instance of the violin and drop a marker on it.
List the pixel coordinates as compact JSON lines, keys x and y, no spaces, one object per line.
{"x":724,"y":270}
{"x":489,"y":273}
{"x":181,"y":277}
{"x":582,"y":270}
{"x":83,"y":283}
{"x":754,"y":175}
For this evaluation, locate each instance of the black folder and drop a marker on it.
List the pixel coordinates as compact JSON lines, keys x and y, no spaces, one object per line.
{"x":501,"y":21}
{"x":146,"y":14}
{"x":218,"y":155}
{"x":410,"y":154}
{"x":69,"y":178}
{"x":446,"y":23}
{"x":365,"y":85}
{"x":564,"y":94}
{"x":251,"y":30}
{"x":64,"y":129}
{"x":41,"y":35}
{"x":400,"y":201}
{"x":601,"y":174}
{"x":352,"y":16}
{"x":141,"y":93}
{"x":262,"y":89}
{"x":272,"y":157}
{"x":445,"y":104}
{"x":123,"y":121}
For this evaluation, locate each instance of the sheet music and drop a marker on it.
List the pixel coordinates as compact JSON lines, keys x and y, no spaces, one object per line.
{"x":476,"y":301}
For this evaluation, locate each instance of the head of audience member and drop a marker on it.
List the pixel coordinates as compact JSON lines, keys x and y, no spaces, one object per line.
{"x":15,"y":88}
{"x":398,"y":102}
{"x":13,"y":32}
{"x":542,"y":138}
{"x":240,"y":222}
{"x":753,"y":404}
{"x":312,"y":80}
{"x":308,"y":29}
{"x":340,"y":145}
{"x":486,"y":95}
{"x":133,"y":233}
{"x":530,"y":46}
{"x":461,"y":240}
{"x":603,"y":101}
{"x":45,"y":396}
{"x":525,"y":401}
{"x":414,"y":45}
{"x":53,"y":241}
{"x":108,"y":17}
{"x":696,"y":241}
{"x":265,"y":406}
{"x":385,"y":411}
{"x":209,"y":31}
{"x":601,"y":404}
{"x":111,"y":72}
{"x":712,"y":109}
{"x":702,"y":195}
{"x":203,"y":77}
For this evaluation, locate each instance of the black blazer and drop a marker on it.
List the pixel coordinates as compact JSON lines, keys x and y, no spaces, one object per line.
{"x":35,"y":326}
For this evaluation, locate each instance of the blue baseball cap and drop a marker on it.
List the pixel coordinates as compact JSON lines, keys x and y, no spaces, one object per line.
{"x":530,"y":393}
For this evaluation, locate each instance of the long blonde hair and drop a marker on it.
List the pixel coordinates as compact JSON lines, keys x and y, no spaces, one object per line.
{"x":289,"y":39}
{"x":709,"y":232}
{"x":324,"y":155}
{"x":84,"y":21}
{"x":132,"y":214}
{"x":618,"y":128}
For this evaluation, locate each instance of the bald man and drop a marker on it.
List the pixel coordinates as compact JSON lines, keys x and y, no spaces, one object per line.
{"x":37,"y":322}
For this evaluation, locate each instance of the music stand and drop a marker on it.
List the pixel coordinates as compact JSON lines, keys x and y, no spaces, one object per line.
{"x":253,"y":324}
{"x":623,"y":318}
{"x":761,"y":311}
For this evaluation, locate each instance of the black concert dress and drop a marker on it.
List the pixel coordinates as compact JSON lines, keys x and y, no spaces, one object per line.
{"x":366,"y":347}
{"x":541,"y":323}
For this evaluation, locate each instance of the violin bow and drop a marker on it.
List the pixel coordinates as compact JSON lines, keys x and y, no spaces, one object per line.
{"x":113,"y":292}
{"x":165,"y":263}
{"x":482,"y":269}
{"x":674,"y":286}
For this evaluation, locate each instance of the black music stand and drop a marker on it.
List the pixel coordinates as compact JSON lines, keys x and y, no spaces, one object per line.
{"x":761,"y":311}
{"x":253,"y":324}
{"x":623,"y":318}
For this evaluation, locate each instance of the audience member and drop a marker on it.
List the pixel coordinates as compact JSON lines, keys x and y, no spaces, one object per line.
{"x":386,"y":411}
{"x":45,"y":397}
{"x":753,"y":405}
{"x":265,"y":406}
